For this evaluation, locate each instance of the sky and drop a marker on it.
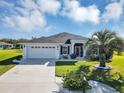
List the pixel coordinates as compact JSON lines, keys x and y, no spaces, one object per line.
{"x":36,"y":18}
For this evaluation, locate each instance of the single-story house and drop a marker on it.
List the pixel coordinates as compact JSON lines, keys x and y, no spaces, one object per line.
{"x":4,"y":45}
{"x":55,"y":46}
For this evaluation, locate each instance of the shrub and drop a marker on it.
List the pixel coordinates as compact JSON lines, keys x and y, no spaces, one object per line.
{"x":74,"y":80}
{"x":17,"y":46}
{"x":91,"y":54}
{"x":73,"y":56}
{"x":65,"y":56}
{"x":19,"y":57}
{"x":92,"y":57}
{"x":85,"y":69}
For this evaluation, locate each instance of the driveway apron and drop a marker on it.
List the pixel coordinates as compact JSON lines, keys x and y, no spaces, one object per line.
{"x":31,"y":76}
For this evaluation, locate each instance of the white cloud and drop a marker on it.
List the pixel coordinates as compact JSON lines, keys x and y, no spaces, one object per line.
{"x":49,"y":6}
{"x":28,"y":4}
{"x":113,"y":11}
{"x":122,"y":2}
{"x":77,"y":13}
{"x":8,"y":20}
{"x":23,"y":23}
{"x":119,"y":29}
{"x":50,"y":28}
{"x":27,"y":23}
{"x":38,"y":19}
{"x":22,"y":11}
{"x":29,"y":15}
{"x":5,"y":4}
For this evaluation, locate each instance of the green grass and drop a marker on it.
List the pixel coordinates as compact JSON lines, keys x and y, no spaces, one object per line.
{"x":6,"y":57}
{"x":117,"y":64}
{"x":62,"y":68}
{"x":6,"y":54}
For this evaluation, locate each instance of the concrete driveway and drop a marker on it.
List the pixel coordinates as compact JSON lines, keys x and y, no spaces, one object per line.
{"x":31,"y":76}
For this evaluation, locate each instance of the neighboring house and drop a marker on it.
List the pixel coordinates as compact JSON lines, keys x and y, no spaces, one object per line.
{"x":54,"y":46}
{"x":4,"y":45}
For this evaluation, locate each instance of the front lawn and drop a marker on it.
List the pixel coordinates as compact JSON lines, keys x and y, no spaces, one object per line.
{"x":63,"y":68}
{"x":6,"y":54}
{"x":6,"y":57}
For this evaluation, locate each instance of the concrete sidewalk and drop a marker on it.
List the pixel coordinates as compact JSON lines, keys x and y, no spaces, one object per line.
{"x":26,"y":78}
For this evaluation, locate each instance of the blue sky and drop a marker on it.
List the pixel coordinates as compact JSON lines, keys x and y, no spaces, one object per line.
{"x":36,"y":18}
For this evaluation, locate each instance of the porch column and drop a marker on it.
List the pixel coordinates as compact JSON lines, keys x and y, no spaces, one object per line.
{"x":72,"y":48}
{"x":84,"y":50}
{"x":57,"y":51}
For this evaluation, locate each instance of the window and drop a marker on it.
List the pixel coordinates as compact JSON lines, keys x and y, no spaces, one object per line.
{"x":32,"y":46}
{"x":64,"y":50}
{"x":42,"y":46}
{"x":46,"y":47}
{"x":53,"y":47}
{"x":35,"y":46}
{"x":38,"y":46}
{"x":50,"y":47}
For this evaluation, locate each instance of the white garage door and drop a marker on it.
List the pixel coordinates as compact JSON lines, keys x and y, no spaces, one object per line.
{"x":41,"y":52}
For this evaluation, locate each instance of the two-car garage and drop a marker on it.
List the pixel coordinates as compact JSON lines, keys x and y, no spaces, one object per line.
{"x":41,"y":51}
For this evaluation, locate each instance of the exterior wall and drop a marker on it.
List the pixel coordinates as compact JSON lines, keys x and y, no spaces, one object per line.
{"x":72,"y":46}
{"x":58,"y":51}
{"x":26,"y":49}
{"x":66,"y":45}
{"x":57,"y":47}
{"x":11,"y":46}
{"x":78,"y":41}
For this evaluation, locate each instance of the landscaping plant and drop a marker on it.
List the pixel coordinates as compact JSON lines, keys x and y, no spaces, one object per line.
{"x":106,"y":42}
{"x":73,"y":56}
{"x":75,"y":80}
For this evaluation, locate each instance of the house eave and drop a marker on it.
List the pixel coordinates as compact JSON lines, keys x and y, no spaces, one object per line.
{"x":41,"y":43}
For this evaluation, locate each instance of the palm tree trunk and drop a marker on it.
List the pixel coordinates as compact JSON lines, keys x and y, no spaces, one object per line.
{"x":102,"y":64}
{"x":84,"y":90}
{"x":102,"y":56}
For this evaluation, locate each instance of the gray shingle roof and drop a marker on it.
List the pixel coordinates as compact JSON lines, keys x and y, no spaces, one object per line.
{"x":40,"y":40}
{"x":58,"y":38}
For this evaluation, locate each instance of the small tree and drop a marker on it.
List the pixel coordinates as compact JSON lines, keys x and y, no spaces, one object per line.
{"x":106,"y":42}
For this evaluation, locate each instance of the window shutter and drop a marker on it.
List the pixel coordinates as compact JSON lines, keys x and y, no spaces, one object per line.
{"x":68,"y":49}
{"x":61,"y":50}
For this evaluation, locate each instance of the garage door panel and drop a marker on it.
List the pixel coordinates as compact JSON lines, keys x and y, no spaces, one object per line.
{"x":41,"y":52}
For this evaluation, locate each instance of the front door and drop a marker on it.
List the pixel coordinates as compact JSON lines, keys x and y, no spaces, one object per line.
{"x":77,"y":50}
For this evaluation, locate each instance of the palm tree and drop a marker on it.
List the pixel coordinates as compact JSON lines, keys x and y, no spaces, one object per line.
{"x":118,"y":45}
{"x":105,"y":41}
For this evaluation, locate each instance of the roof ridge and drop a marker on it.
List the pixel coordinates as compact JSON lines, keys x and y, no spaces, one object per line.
{"x":58,"y":38}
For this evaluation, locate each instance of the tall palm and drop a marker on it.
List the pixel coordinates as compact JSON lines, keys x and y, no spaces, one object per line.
{"x":103,"y":40}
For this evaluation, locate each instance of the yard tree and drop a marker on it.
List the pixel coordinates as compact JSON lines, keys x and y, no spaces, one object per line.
{"x":106,"y":42}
